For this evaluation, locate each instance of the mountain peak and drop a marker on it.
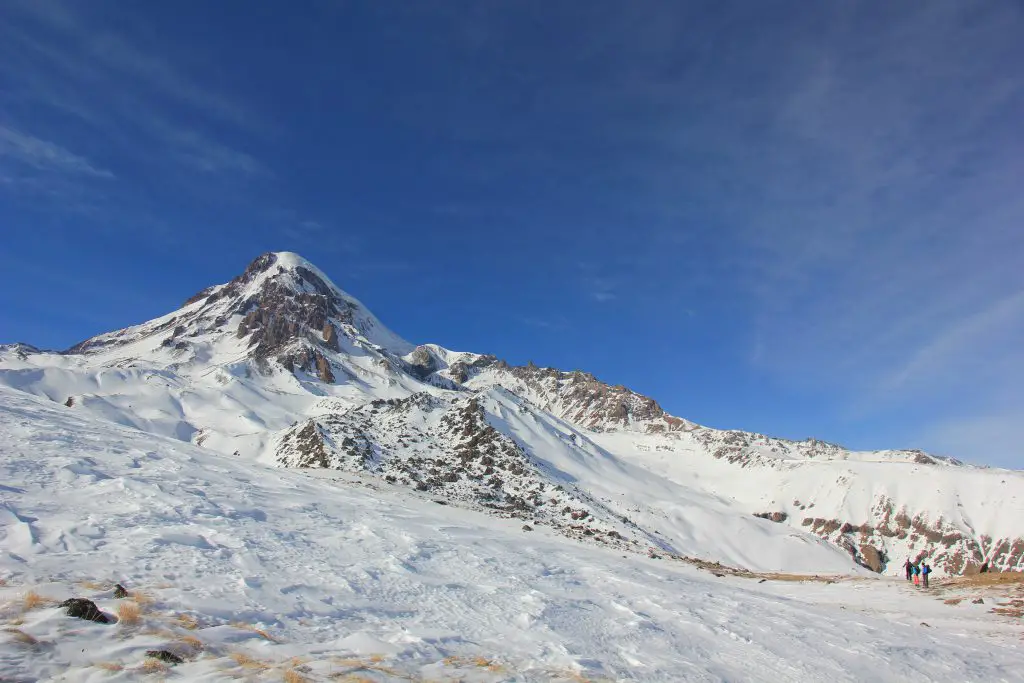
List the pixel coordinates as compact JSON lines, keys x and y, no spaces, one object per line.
{"x":281,"y":306}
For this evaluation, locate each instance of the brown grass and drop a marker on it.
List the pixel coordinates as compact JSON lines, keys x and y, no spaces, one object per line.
{"x":953,"y":601}
{"x":94,"y":585}
{"x":192,"y":643}
{"x":258,"y":631}
{"x":22,"y":637}
{"x":247,"y":662}
{"x":986,"y":579}
{"x":109,"y":666}
{"x":129,"y":613}
{"x":141,"y":598}
{"x":153,"y":666}
{"x":187,"y":621}
{"x":33,"y":600}
{"x":293,"y":676}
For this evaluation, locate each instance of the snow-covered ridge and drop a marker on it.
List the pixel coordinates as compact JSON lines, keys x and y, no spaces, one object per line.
{"x":280,"y":366}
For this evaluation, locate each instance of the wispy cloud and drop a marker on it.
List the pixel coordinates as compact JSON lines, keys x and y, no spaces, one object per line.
{"x":45,"y":156}
{"x":55,"y":56}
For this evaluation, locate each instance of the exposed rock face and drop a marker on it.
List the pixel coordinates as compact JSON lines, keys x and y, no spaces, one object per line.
{"x":331,"y":337}
{"x":449,"y":449}
{"x":947,"y":548}
{"x":872,"y":558}
{"x":777,"y":517}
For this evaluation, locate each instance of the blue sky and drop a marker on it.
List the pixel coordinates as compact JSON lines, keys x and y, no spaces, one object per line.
{"x":804,"y":219}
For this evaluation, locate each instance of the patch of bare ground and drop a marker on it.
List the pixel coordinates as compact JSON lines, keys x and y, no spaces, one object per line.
{"x":719,"y":569}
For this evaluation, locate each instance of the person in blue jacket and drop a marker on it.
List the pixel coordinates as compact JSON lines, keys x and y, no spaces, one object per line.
{"x":925,"y":571}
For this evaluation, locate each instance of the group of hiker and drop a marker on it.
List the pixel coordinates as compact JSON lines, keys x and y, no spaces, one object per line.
{"x":917,"y":572}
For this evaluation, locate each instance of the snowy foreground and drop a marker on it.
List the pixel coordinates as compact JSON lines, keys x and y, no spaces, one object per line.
{"x":269,"y":574}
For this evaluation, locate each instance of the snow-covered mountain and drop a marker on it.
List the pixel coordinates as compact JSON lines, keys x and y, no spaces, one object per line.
{"x":279,"y":366}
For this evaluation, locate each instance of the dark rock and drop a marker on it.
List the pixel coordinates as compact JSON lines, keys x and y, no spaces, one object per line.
{"x":978,"y":601}
{"x":331,"y":337}
{"x":81,"y":608}
{"x":772,"y":516}
{"x":924,"y":624}
{"x":120,"y":592}
{"x":70,"y":402}
{"x":165,"y":656}
{"x":527,"y":527}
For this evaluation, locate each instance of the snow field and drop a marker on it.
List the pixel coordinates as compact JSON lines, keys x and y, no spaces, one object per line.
{"x":346,"y":576}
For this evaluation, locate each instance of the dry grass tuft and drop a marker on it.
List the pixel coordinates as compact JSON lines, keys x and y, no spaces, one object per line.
{"x":1009,"y":611}
{"x":293,"y":676}
{"x":953,"y":601}
{"x":192,"y":643}
{"x":141,"y":598}
{"x":248,"y":662}
{"x":485,"y":663}
{"x":252,"y":629}
{"x":33,"y":600}
{"x":153,"y":666}
{"x":187,"y":621}
{"x":129,"y":613}
{"x":109,"y":666}
{"x":22,"y":637}
{"x":95,"y":585}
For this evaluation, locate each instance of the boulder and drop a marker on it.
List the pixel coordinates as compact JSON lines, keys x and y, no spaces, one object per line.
{"x":82,"y":608}
{"x":165,"y":656}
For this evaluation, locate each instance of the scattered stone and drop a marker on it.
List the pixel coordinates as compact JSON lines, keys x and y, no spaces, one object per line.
{"x":718,"y":575}
{"x":979,"y":601}
{"x":165,"y":656}
{"x":70,"y":402}
{"x":762,"y":580}
{"x":924,"y":624}
{"x":441,"y":502}
{"x":527,"y":527}
{"x":81,"y":608}
{"x":120,"y":592}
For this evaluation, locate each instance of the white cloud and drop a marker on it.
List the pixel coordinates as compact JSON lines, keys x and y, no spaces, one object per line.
{"x":45,"y":156}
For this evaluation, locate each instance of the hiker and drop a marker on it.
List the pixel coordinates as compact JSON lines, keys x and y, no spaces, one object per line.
{"x":925,"y":571}
{"x":907,"y":567}
{"x":917,"y":574}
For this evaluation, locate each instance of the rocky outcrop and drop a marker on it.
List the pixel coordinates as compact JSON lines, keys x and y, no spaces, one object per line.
{"x":81,"y":608}
{"x":331,"y":337}
{"x":447,"y":448}
{"x":165,"y":656}
{"x":948,"y":549}
{"x":777,"y":517}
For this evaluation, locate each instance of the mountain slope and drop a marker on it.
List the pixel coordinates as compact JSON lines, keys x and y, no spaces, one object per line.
{"x":279,"y":366}
{"x":251,"y":572}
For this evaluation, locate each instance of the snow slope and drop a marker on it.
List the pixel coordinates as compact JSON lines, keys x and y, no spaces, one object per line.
{"x":345,"y":575}
{"x":280,"y":367}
